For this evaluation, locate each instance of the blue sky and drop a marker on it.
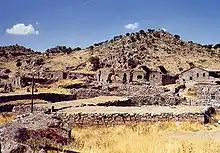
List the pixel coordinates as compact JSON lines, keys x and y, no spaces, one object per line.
{"x":84,"y":22}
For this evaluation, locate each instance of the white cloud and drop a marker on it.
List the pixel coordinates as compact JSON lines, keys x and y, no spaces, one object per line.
{"x":132,"y":26}
{"x":37,"y":23}
{"x":22,"y":29}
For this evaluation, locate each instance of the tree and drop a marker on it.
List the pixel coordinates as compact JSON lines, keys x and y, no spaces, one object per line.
{"x":177,"y":37}
{"x":150,"y":30}
{"x":142,"y":32}
{"x":91,"y":47}
{"x":132,"y":63}
{"x":127,"y":34}
{"x":216,"y":46}
{"x":77,"y":49}
{"x":18,"y":64}
{"x":39,"y":61}
{"x":191,"y":64}
{"x":208,"y":46}
{"x":95,"y":61}
{"x":133,"y":39}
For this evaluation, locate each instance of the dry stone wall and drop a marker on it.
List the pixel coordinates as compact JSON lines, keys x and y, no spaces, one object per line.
{"x":84,"y":120}
{"x":52,"y":97}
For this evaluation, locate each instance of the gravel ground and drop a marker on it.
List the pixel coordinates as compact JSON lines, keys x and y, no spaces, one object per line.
{"x":74,"y":103}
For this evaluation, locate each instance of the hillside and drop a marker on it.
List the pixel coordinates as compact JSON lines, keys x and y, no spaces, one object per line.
{"x":154,"y":48}
{"x":151,"y":48}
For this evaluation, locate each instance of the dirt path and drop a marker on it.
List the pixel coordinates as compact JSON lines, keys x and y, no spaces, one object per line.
{"x":199,"y":135}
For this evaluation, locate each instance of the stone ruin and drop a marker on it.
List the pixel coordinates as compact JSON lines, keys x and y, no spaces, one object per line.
{"x":7,"y":88}
{"x":138,"y":94}
{"x":141,"y":75}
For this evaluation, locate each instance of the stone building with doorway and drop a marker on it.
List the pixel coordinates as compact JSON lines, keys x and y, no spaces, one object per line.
{"x":199,"y":75}
{"x":139,"y":75}
{"x":160,"y":78}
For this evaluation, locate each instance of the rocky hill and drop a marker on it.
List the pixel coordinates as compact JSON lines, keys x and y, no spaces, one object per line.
{"x":154,"y":48}
{"x":151,"y":48}
{"x":14,"y":51}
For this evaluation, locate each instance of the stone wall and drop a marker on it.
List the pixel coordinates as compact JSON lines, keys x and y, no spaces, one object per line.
{"x":83,"y":120}
{"x":52,"y":97}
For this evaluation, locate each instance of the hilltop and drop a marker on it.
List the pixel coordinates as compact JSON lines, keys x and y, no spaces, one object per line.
{"x":151,"y":48}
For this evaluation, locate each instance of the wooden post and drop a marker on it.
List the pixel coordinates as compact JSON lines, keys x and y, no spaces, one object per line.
{"x":52,"y":109}
{"x":32,"y":95}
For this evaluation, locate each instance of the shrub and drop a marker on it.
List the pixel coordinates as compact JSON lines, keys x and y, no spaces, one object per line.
{"x":127,"y":34}
{"x":150,"y":30}
{"x":77,"y":49}
{"x":142,"y":32}
{"x":94,"y":60}
{"x":18,"y":64}
{"x":40,"y":62}
{"x":191,"y":64}
{"x":132,"y":63}
{"x":208,"y":46}
{"x":142,"y":48}
{"x":216,"y":46}
{"x":190,"y":42}
{"x":177,"y":37}
{"x":133,"y":39}
{"x":138,"y":37}
{"x":91,"y":47}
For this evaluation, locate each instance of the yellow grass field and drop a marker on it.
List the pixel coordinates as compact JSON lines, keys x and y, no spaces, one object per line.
{"x":145,"y":138}
{"x":6,"y":118}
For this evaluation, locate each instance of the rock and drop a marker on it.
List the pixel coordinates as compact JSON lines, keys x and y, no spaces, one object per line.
{"x":42,"y":151}
{"x":33,"y":126}
{"x":10,"y":146}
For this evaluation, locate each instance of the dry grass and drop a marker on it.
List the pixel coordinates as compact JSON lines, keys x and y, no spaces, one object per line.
{"x":143,"y":138}
{"x":6,"y":118}
{"x":9,"y":65}
{"x":67,"y":82}
{"x":174,"y":62}
{"x":83,"y":71}
{"x":189,"y":94}
{"x":24,"y":102}
{"x":61,"y":61}
{"x":55,"y":90}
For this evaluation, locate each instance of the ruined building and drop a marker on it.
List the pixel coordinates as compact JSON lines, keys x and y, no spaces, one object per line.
{"x":140,"y":75}
{"x":208,"y":94}
{"x":199,"y":75}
